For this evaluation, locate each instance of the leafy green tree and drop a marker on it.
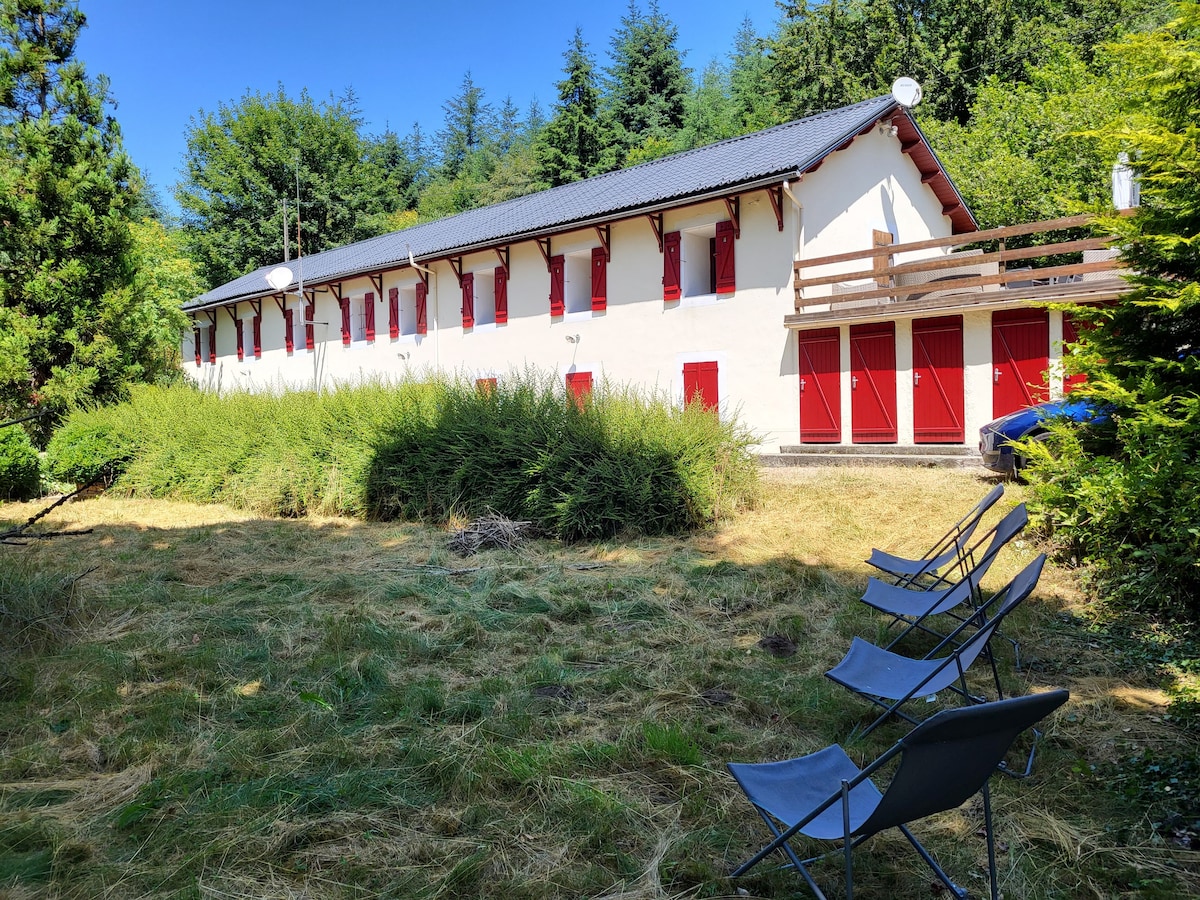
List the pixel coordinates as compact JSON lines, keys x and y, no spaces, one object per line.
{"x":1127,"y":496}
{"x":578,"y":141}
{"x":647,"y":83}
{"x":68,"y":261}
{"x":241,"y":167}
{"x":1023,"y":156}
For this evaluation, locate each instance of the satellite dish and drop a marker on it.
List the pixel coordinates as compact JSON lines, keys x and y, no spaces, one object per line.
{"x":906,"y":92}
{"x":280,"y":277}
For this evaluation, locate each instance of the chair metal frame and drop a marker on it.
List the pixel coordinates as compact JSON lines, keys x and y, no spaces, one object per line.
{"x":948,"y":548}
{"x":928,"y":675}
{"x":943,"y":762}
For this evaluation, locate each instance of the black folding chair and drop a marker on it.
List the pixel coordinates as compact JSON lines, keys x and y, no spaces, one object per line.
{"x":890,"y":680}
{"x":943,"y":762}
{"x":948,"y":549}
{"x":913,"y":605}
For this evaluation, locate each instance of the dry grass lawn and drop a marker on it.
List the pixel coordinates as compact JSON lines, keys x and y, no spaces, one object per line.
{"x":249,"y":707}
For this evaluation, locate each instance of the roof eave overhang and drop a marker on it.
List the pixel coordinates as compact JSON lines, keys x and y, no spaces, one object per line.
{"x":701,"y":196}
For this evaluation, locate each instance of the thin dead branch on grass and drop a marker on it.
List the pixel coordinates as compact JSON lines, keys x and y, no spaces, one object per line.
{"x":19,"y":536}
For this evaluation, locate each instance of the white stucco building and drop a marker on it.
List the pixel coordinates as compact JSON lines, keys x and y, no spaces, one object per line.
{"x":692,"y":274}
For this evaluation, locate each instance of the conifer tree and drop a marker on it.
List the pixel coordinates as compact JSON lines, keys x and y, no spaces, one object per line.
{"x":578,"y":141}
{"x":70,"y":306}
{"x":647,"y":85}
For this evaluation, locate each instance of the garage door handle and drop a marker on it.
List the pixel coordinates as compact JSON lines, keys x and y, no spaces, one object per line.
{"x":916,"y":378}
{"x":802,"y":383}
{"x":995,"y":376}
{"x":853,"y":382}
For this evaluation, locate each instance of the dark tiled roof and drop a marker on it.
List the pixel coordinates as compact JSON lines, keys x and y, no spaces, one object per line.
{"x":741,"y":161}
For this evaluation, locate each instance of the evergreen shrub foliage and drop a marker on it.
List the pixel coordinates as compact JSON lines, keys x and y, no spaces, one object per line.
{"x":20,"y":468}
{"x":430,"y":450}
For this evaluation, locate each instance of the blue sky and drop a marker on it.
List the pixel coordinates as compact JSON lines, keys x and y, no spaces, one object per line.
{"x":168,"y":59}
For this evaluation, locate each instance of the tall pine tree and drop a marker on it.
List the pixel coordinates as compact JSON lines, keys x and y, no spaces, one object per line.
{"x":647,"y":84}
{"x":578,"y":141}
{"x":68,"y":291}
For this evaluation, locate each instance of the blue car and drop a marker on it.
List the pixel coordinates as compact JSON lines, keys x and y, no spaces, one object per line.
{"x":995,"y":437}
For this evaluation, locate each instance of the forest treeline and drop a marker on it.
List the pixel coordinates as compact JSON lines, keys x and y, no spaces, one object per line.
{"x":93,"y":271}
{"x":1007,"y":83}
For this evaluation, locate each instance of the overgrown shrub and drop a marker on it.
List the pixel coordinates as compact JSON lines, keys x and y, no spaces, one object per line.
{"x":1133,"y":512}
{"x":425,"y":450}
{"x":619,"y":461}
{"x":20,"y":467}
{"x":92,"y":445}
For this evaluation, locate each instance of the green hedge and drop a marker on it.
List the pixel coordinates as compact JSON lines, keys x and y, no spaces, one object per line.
{"x":427,"y":450}
{"x":20,"y":467}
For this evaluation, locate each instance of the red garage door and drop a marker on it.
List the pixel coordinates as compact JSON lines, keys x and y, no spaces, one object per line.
{"x":873,"y":383}
{"x":820,"y":386}
{"x":1020,"y":357}
{"x":938,"y":381}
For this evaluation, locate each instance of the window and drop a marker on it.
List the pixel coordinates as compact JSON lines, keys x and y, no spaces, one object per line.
{"x":558,"y":267}
{"x":299,"y":313}
{"x":249,"y":338}
{"x":579,"y":386}
{"x":599,"y":279}
{"x":289,"y":341}
{"x":485,"y":386}
{"x":700,"y":384}
{"x":578,"y":287}
{"x":485,"y":297}
{"x":468,"y":300}
{"x":500,"y":282}
{"x":422,"y":290}
{"x":699,"y":262}
{"x":197,"y":344}
{"x":362,"y":318}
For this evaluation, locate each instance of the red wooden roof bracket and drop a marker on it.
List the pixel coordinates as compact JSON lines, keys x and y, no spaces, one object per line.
{"x":544,"y":246}
{"x":457,"y":265}
{"x":604,"y":232}
{"x":776,"y":196}
{"x":502,"y":256}
{"x":656,"y":222}
{"x":734,"y":206}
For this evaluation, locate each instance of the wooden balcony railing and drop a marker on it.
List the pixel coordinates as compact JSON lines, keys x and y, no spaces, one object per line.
{"x":929,"y":274}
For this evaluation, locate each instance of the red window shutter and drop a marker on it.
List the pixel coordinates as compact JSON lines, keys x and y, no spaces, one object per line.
{"x":599,"y":279}
{"x":579,"y":386}
{"x":241,"y":341}
{"x":369,"y":315}
{"x":310,"y":313}
{"x":344,"y":303}
{"x":196,"y":341}
{"x":671,"y":283}
{"x":700,"y":384}
{"x":558,"y":268}
{"x":485,"y":386}
{"x":289,"y":340}
{"x":501,"y":295}
{"x":212,"y":344}
{"x":422,"y":304}
{"x":394,"y":313}
{"x":726,"y":280}
{"x":468,"y":300}
{"x":256,"y":328}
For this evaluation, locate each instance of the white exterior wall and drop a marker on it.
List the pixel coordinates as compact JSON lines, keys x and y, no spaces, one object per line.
{"x":638,"y":338}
